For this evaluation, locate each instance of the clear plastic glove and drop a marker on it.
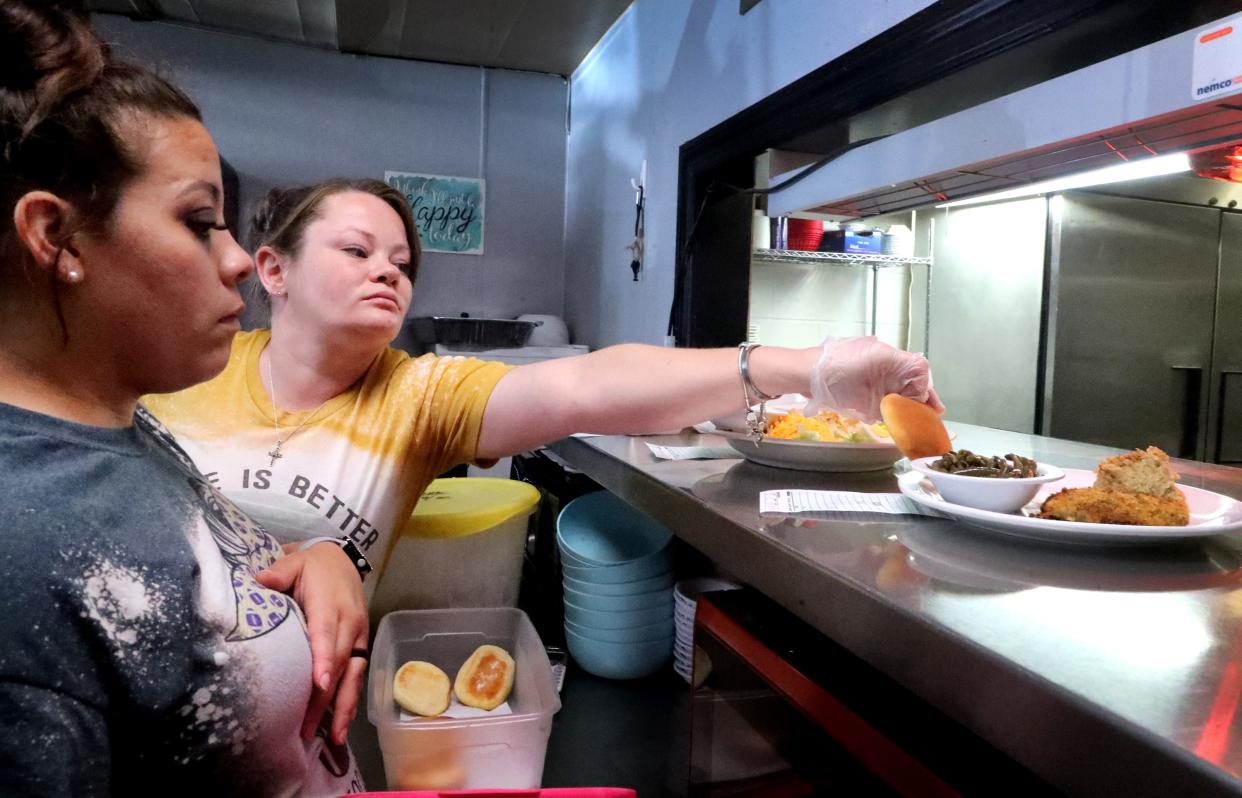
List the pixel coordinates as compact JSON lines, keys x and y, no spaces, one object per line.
{"x":852,"y":375}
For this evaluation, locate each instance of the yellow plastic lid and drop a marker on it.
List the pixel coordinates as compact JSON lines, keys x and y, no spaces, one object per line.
{"x":456,"y":507}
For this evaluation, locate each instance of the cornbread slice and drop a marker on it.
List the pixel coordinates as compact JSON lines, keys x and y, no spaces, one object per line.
{"x":1103,"y":506}
{"x":1139,"y":471}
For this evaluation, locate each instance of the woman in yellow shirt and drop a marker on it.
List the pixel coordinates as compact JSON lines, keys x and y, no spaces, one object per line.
{"x":318,"y":427}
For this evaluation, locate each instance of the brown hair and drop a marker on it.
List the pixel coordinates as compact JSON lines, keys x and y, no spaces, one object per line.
{"x":282,"y":217}
{"x":64,"y":108}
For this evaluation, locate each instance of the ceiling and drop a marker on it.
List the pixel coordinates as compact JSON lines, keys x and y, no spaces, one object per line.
{"x":550,"y":36}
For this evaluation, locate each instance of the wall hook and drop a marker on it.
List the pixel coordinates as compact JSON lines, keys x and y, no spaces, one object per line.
{"x":636,"y":246}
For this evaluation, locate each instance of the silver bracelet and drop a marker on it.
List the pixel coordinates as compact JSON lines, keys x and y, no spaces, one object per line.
{"x":756,"y":421}
{"x":743,"y":368}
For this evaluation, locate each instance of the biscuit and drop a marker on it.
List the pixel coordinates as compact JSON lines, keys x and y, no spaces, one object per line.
{"x":485,"y":679}
{"x":421,"y":688}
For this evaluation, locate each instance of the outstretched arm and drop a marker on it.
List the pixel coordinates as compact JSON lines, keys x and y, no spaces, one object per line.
{"x":633,"y":388}
{"x":629,"y":388}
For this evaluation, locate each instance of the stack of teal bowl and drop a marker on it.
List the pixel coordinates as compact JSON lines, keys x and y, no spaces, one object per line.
{"x":618,"y":578}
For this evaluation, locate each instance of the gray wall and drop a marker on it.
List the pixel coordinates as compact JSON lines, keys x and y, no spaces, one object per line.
{"x":283,"y":113}
{"x":666,"y":72}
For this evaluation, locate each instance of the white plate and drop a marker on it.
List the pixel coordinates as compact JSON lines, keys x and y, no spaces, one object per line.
{"x":1004,"y":563}
{"x":813,"y":455}
{"x":1210,"y":514}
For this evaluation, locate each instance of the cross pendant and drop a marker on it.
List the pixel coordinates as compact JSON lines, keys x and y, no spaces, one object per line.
{"x":275,"y":453}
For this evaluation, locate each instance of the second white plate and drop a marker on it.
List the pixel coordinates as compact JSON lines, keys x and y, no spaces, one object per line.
{"x":1210,"y":514}
{"x":813,"y":455}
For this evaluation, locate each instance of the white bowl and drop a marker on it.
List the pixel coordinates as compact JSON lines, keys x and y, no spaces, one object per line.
{"x":997,"y":494}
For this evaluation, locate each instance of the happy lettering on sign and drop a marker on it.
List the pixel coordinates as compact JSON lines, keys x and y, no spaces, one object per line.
{"x":447,"y":210}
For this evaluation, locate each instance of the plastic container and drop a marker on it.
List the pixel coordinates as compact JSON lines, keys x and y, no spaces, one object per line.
{"x":505,"y":751}
{"x":462,"y":547}
{"x":805,"y":234}
{"x":898,"y":240}
{"x":849,"y":240}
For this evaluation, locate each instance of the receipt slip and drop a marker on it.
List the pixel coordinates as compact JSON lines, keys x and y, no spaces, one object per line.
{"x":791,"y":502}
{"x":693,"y":452}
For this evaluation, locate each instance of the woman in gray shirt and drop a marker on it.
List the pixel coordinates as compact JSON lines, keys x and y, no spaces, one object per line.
{"x":140,"y":647}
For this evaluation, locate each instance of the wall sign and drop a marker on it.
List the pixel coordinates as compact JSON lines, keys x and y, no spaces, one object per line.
{"x":448,"y":211}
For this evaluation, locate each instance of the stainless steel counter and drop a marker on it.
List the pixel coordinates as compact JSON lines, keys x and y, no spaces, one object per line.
{"x":1104,"y":671}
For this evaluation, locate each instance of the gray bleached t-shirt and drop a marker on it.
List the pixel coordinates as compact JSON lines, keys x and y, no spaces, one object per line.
{"x":137,"y":651}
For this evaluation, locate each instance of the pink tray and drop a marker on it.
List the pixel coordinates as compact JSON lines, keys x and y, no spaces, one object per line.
{"x":551,"y":792}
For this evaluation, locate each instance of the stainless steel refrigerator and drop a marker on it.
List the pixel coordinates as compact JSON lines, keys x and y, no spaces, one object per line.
{"x":1142,"y":335}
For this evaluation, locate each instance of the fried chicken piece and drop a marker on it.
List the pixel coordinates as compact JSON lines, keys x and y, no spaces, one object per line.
{"x":1139,"y":471}
{"x":1103,"y":506}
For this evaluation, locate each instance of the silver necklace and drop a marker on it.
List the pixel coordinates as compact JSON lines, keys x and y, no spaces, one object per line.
{"x":275,"y":452}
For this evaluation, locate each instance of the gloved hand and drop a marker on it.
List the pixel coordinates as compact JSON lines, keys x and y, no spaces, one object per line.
{"x":852,"y":375}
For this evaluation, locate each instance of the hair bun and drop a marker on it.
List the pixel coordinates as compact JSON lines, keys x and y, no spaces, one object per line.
{"x":47,"y":48}
{"x":268,"y":214}
{"x":261,"y":220}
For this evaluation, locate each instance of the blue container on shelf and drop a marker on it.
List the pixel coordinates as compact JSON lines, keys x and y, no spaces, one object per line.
{"x":856,"y":241}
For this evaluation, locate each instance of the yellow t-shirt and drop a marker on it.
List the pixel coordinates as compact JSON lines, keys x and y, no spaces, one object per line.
{"x":358,"y":464}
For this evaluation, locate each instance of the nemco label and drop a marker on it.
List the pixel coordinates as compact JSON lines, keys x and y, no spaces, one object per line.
{"x":1217,"y":60}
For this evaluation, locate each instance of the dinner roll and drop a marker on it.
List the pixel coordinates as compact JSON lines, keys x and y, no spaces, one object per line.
{"x":916,"y":428}
{"x":421,"y":688}
{"x":486,"y":678}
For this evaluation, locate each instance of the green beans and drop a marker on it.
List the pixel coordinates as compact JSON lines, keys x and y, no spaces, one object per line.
{"x":968,"y":464}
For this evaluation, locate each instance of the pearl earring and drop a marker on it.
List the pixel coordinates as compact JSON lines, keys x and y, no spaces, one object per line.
{"x":73,"y":276}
